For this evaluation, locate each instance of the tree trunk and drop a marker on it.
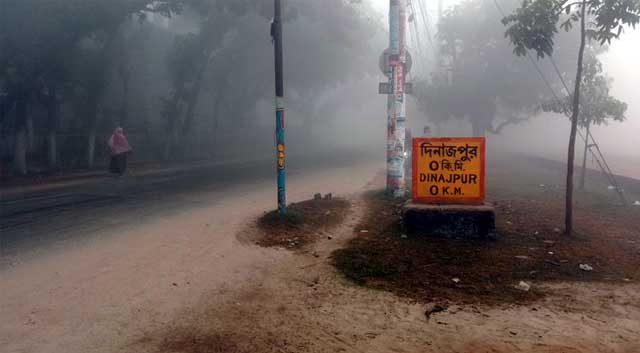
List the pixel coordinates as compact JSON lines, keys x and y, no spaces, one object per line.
{"x":20,"y":154}
{"x":21,"y":143}
{"x":91,"y":147}
{"x":215,"y":119}
{"x":96,"y":93}
{"x":568,"y":220}
{"x":52,"y":149}
{"x":30,"y":135}
{"x":584,"y":157}
{"x":53,"y":117}
{"x":173,"y":121}
{"x":192,"y":101}
{"x":125,"y":75}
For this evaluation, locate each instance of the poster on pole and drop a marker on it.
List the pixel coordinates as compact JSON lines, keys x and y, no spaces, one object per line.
{"x":449,"y":170}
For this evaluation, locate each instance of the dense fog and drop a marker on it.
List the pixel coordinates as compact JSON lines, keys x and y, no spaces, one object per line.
{"x":193,"y":79}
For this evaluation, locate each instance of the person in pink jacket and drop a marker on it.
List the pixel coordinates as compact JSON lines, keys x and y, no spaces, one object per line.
{"x":120,"y":148}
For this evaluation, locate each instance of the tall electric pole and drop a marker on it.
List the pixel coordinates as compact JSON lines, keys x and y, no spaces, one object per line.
{"x":396,"y":105}
{"x":276,"y":34}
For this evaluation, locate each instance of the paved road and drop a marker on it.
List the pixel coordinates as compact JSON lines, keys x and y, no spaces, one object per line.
{"x":59,"y":216}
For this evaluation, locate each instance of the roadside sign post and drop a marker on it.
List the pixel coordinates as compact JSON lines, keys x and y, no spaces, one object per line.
{"x":448,"y":189}
{"x":449,"y":170}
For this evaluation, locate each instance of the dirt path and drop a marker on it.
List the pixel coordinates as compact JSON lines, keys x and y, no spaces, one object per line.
{"x":102,"y":294}
{"x":187,"y":284}
{"x":303,"y":305}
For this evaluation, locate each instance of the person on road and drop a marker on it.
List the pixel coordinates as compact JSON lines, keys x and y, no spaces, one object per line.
{"x":120,"y":148}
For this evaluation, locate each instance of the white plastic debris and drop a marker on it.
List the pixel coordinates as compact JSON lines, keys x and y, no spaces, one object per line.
{"x":404,"y":236}
{"x":637,"y":203}
{"x":550,"y":252}
{"x":611,"y":187}
{"x":585,"y":267}
{"x":523,"y":286}
{"x":456,"y":280}
{"x":364,"y":231}
{"x":399,"y":193}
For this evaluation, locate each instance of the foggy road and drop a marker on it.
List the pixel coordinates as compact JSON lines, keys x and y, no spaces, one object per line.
{"x":60,"y":215}
{"x":121,"y":263}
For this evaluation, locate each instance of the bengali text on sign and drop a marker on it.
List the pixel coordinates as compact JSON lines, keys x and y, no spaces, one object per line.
{"x":449,"y":170}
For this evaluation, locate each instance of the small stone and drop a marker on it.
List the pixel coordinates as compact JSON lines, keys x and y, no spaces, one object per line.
{"x":586,"y":267}
{"x":404,"y":236}
{"x":523,"y":286}
{"x":456,"y":280}
{"x":435,"y":308}
{"x":329,"y":237}
{"x":550,"y":253}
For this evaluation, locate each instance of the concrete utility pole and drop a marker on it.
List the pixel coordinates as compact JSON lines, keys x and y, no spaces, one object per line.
{"x":396,"y":105}
{"x":276,"y":34}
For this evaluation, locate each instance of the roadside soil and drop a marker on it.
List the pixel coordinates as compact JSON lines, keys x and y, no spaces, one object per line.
{"x":303,"y":304}
{"x":305,"y":223}
{"x":528,"y":248}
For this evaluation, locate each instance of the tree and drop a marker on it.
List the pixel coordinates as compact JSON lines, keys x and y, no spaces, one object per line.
{"x":229,"y":54}
{"x":597,"y":106}
{"x":534,"y":26}
{"x":478,"y":79}
{"x":34,"y":62}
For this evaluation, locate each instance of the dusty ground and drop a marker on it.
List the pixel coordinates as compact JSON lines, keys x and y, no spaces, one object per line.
{"x":188,"y":284}
{"x":100,"y":294}
{"x":302,"y":305}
